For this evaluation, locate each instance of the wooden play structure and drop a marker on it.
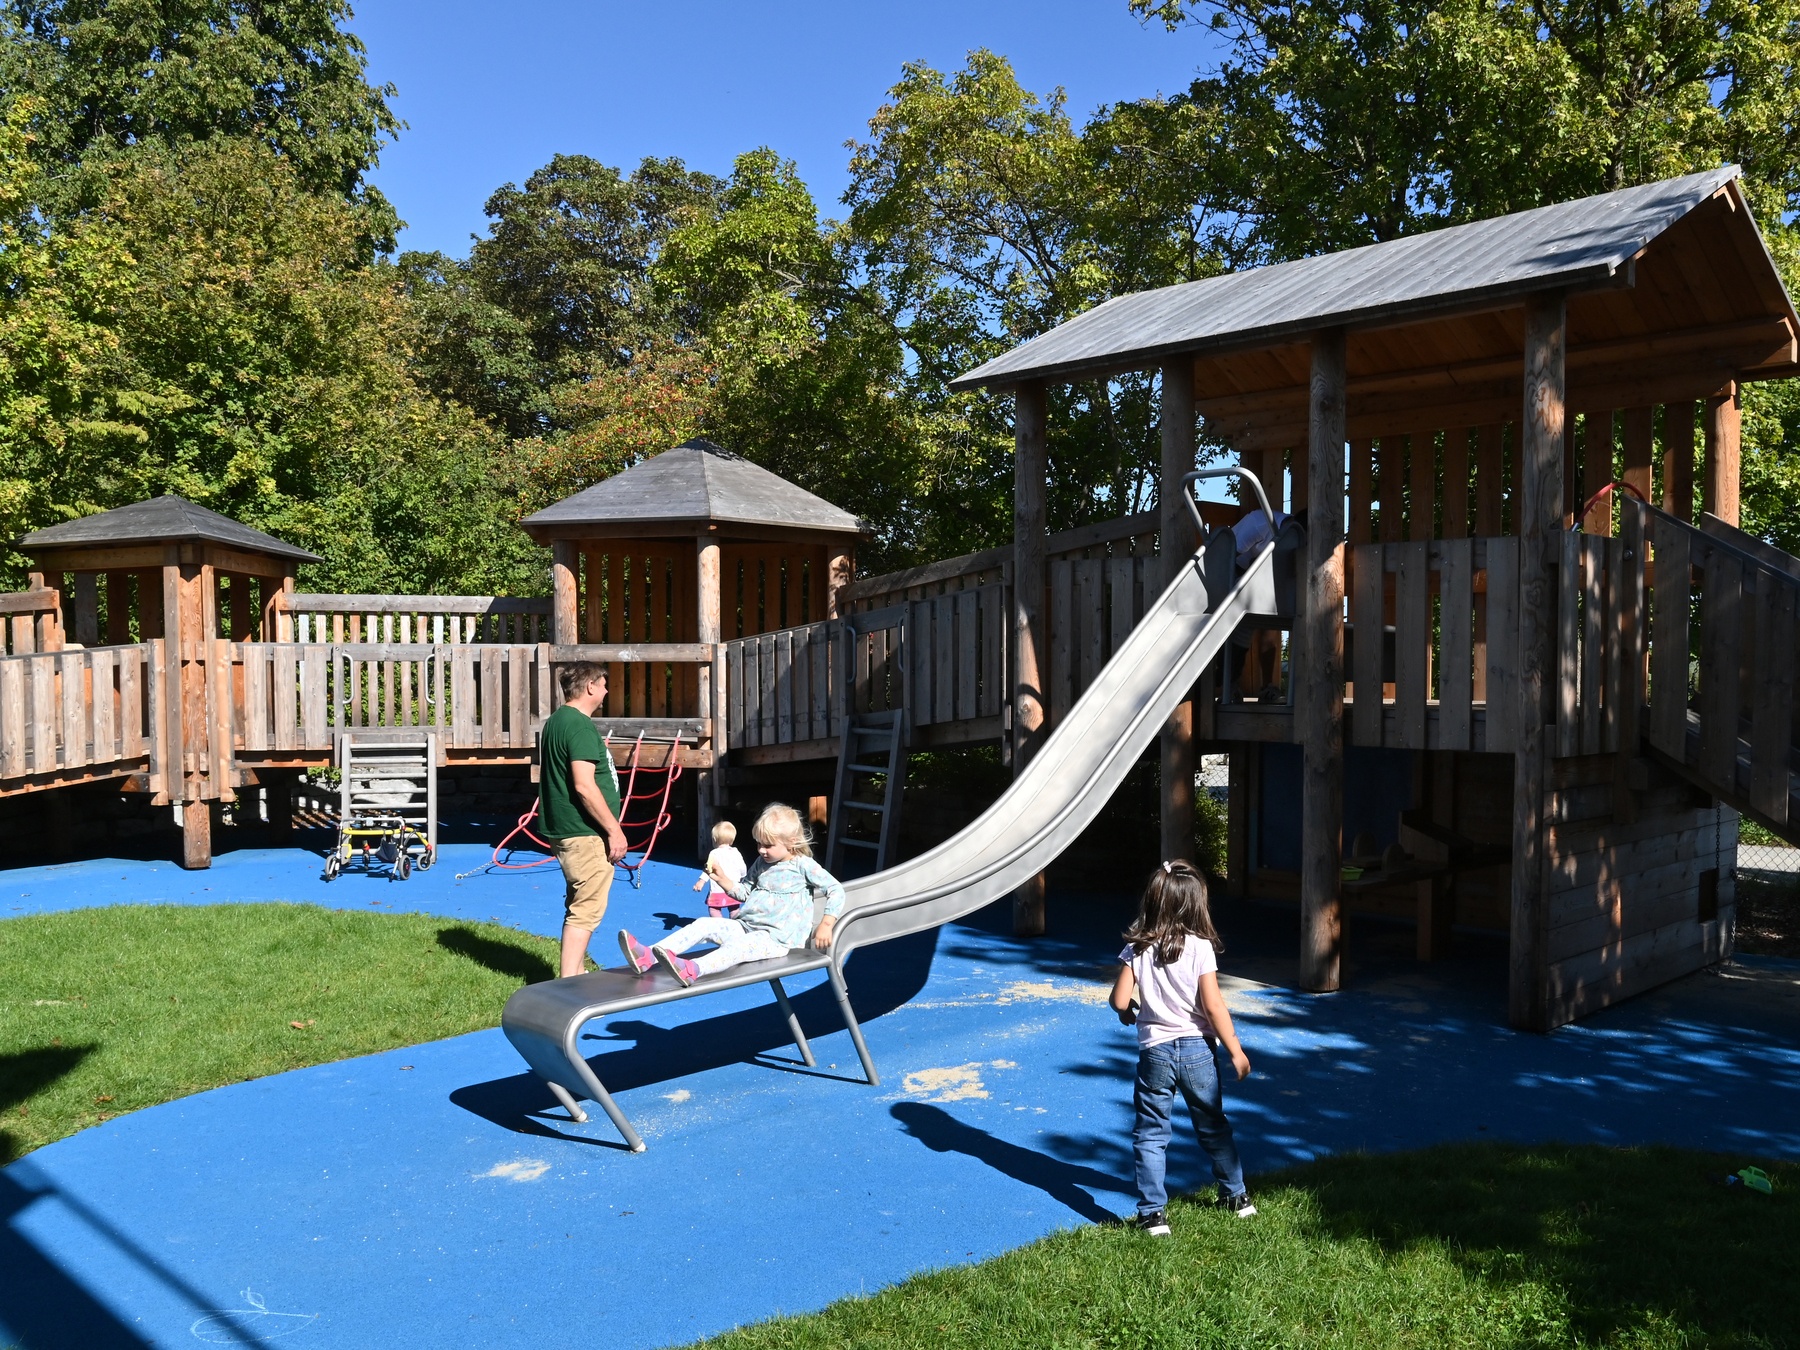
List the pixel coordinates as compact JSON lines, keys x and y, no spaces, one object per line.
{"x":1522,"y":648}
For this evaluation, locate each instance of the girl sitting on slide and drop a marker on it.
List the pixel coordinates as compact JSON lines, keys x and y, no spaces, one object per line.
{"x":777,"y":907}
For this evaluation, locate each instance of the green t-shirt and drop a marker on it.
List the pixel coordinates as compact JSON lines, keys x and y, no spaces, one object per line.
{"x":569,"y":735}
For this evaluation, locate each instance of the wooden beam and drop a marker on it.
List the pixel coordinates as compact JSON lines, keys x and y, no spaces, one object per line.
{"x":1596,"y":471}
{"x":1724,"y":429}
{"x":1030,"y":481}
{"x":1319,"y":691}
{"x":1176,"y":743}
{"x":565,"y":594}
{"x":1540,"y":515}
{"x":1678,"y":461}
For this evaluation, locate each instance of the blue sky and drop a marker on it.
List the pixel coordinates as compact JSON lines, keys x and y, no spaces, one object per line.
{"x":491,"y":92}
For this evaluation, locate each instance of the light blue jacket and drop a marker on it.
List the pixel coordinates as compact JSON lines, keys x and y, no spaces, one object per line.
{"x":777,"y":898}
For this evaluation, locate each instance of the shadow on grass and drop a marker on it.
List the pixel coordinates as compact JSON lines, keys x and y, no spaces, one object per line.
{"x":25,"y":1073}
{"x":942,"y":1132}
{"x":1640,"y":1240}
{"x":503,"y":958}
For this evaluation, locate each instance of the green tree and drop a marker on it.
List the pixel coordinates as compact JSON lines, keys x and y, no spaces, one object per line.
{"x":113,"y":77}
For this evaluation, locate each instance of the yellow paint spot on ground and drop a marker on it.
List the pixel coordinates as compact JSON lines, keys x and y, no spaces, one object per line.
{"x":955,"y":1083}
{"x":523,"y":1169}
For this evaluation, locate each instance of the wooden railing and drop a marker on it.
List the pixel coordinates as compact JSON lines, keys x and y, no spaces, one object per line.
{"x":1452,"y":607}
{"x":1730,"y":605}
{"x":65,"y":716}
{"x":407,"y":619}
{"x":31,"y":621}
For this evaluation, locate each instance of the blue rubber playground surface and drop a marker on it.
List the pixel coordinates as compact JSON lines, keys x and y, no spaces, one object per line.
{"x":436,"y":1196}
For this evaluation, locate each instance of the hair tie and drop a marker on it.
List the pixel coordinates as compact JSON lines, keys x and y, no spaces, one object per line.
{"x":1168,"y":869}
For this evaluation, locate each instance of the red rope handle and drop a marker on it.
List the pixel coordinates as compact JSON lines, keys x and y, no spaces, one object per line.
{"x":1594,"y":500}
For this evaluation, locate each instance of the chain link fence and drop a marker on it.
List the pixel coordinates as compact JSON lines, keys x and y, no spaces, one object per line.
{"x":1768,"y":870}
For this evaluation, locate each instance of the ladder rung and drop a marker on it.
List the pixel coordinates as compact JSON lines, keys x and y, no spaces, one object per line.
{"x":859,"y":843}
{"x":869,"y":768}
{"x":865,"y":806}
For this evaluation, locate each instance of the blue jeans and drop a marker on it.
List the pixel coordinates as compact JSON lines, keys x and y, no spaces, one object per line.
{"x":1188,"y":1064}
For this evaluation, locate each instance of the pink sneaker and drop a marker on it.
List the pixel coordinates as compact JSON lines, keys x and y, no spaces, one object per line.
{"x":637,"y":955}
{"x":678,"y":966}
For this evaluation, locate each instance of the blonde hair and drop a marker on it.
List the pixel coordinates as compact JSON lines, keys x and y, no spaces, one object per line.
{"x":724,"y":833}
{"x":780,"y":823}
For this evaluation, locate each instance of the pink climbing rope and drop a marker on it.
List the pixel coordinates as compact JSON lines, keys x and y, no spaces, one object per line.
{"x":656,"y":824}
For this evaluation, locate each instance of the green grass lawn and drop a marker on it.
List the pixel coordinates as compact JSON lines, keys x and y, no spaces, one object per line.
{"x":104,"y":1011}
{"x":1477,"y":1245}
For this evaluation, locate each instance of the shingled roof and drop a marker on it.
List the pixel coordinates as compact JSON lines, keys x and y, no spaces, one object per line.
{"x":165,"y":519}
{"x":695,"y":484}
{"x":1584,"y":244}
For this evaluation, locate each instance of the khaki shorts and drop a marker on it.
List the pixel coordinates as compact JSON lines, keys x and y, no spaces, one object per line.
{"x":589,"y":873}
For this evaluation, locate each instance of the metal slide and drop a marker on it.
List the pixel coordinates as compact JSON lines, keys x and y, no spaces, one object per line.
{"x":1035,"y":819}
{"x":1091,"y":749}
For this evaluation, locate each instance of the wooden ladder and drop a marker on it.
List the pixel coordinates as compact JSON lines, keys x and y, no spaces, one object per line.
{"x":873,"y":748}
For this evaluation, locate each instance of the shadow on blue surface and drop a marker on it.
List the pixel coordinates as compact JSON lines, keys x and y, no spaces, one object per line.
{"x":1062,"y":1181}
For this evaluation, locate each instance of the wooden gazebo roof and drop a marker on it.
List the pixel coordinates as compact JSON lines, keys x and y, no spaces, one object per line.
{"x":1672,"y":295}
{"x":695,"y":488}
{"x":165,"y":519}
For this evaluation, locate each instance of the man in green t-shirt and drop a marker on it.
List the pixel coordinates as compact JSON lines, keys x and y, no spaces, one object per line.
{"x":578,"y":806}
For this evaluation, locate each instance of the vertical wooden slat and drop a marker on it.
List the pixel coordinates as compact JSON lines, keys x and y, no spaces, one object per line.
{"x":1062,"y":638}
{"x":518,"y":696}
{"x":733,"y":695}
{"x":1421,"y":515}
{"x":135,"y":675}
{"x":922,"y":645}
{"x":1366,"y":653}
{"x":1615,"y":594}
{"x":43,"y":712}
{"x":766,"y":708}
{"x":493,"y":720}
{"x":13,"y":738}
{"x":312,"y":696}
{"x":943,"y":658}
{"x":992,"y":605}
{"x":1772,"y":696}
{"x":1593,"y":640}
{"x":1628,"y":638}
{"x":1670,"y":619}
{"x":1568,"y":643}
{"x":1089,"y":619}
{"x":1412,"y":643}
{"x":784,"y":687}
{"x":284,"y":693}
{"x":464,"y":734}
{"x":102,"y":663}
{"x":1121,"y":581}
{"x":1502,"y":642}
{"x":1720,"y":598}
{"x":1456,"y":677}
{"x":72,"y":694}
{"x":256,"y":697}
{"x":968,"y":632}
{"x":819,"y":654}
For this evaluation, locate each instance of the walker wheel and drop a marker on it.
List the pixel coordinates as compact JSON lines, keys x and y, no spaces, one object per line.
{"x":428,"y":857}
{"x":403,"y":866}
{"x":333,"y":865}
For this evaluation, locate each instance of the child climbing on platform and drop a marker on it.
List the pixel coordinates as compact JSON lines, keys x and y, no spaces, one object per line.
{"x":728,"y":862}
{"x":1169,"y":988}
{"x":777,"y":913}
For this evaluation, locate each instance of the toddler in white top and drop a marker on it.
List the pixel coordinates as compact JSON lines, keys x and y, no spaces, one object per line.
{"x":723,"y":861}
{"x":1169,"y":989}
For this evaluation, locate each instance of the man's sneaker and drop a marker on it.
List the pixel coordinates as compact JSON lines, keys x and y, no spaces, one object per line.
{"x":1238,"y":1204}
{"x":1155,"y":1223}
{"x":678,"y":966}
{"x":639,"y":957}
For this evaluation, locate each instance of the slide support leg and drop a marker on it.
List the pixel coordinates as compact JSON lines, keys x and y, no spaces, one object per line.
{"x":787,"y":1011}
{"x":592,"y":1087}
{"x":843,"y":997}
{"x":572,"y":1106}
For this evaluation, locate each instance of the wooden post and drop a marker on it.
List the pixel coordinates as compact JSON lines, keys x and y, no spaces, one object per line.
{"x":284,"y":609}
{"x":1541,"y":507}
{"x":712,"y":700}
{"x":196,"y":835}
{"x":1639,"y":437}
{"x":1030,"y":524}
{"x":1319,"y":690}
{"x":1678,"y":461}
{"x":1724,"y":426}
{"x":1176,"y":743}
{"x":87,"y":609}
{"x":1597,"y":472}
{"x":118,"y":608}
{"x":565,"y":592}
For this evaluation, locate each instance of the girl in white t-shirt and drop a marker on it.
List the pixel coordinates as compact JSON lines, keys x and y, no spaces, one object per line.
{"x":726,"y":861}
{"x":1169,"y":989}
